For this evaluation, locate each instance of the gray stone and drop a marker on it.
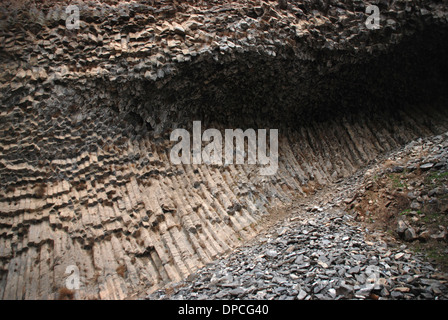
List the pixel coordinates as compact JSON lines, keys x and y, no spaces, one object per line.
{"x":401,"y":227}
{"x":396,"y":295}
{"x":271,"y":253}
{"x":410,"y":234}
{"x":237,"y":291}
{"x":354,"y":270}
{"x":302,"y":295}
{"x":427,"y":166}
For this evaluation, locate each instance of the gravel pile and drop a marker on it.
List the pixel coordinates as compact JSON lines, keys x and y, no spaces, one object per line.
{"x":322,"y":252}
{"x":315,"y":254}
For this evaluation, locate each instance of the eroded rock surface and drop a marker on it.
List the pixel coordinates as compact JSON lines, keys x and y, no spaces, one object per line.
{"x":86,"y":115}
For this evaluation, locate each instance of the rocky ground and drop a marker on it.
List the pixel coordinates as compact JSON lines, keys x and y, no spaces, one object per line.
{"x":335,"y":247}
{"x":407,"y":197}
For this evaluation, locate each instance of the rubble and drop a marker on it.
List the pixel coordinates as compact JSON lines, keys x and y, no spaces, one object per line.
{"x":323,"y":255}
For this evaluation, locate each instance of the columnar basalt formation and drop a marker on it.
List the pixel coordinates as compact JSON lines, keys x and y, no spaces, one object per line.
{"x":86,"y":113}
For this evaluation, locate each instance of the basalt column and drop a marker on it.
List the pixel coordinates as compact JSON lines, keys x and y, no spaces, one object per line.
{"x":86,"y":115}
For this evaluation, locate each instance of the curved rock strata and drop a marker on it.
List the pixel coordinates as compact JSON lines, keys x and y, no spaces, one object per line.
{"x":86,"y":115}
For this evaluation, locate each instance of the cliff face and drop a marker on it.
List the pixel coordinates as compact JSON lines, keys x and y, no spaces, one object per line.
{"x":86,"y":115}
{"x":173,"y":61}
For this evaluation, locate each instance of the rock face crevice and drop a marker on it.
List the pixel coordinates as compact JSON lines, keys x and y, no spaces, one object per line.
{"x":86,"y":116}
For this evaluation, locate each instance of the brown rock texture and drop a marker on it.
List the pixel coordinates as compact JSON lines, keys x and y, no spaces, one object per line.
{"x":86,"y":114}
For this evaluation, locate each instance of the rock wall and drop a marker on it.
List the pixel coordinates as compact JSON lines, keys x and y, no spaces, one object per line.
{"x":86,"y":115}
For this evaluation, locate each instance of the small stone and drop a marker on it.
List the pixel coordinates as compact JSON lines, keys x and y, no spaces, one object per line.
{"x":410,"y":234}
{"x":427,"y":295}
{"x":399,"y":255}
{"x":439,"y":236}
{"x":427,"y":166}
{"x":271,"y":253}
{"x":363,"y":293}
{"x":354,"y":270}
{"x":401,"y":227}
{"x":222,"y":294}
{"x":396,"y":295}
{"x":302,"y":294}
{"x":402,"y":289}
{"x":237,"y":291}
{"x":384,"y":292}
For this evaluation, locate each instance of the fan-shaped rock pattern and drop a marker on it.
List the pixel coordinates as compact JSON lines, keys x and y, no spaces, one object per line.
{"x":86,"y":115}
